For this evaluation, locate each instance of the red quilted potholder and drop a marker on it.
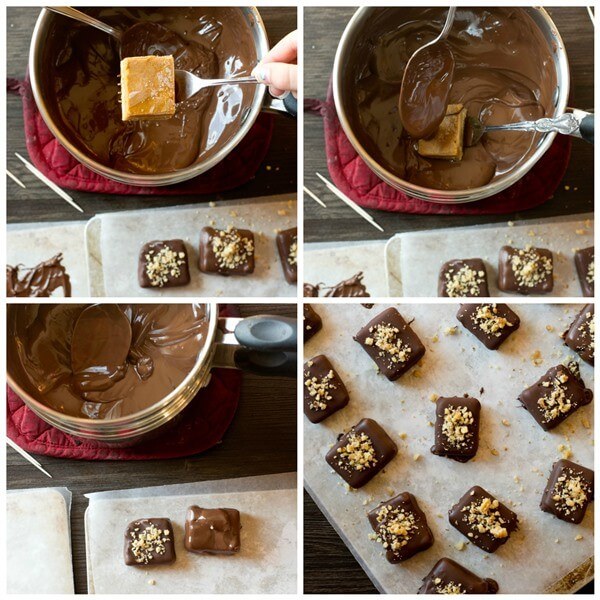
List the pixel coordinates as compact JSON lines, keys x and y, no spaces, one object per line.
{"x":353,"y":177}
{"x":203,"y":424}
{"x":238,"y":167}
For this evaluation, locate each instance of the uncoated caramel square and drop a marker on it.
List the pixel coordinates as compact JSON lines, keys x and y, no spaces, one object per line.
{"x":448,"y":141}
{"x":147,"y":87}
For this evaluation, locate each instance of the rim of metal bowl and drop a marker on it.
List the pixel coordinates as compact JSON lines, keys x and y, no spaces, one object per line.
{"x":449,"y":196}
{"x":142,"y":421}
{"x":141,"y":179}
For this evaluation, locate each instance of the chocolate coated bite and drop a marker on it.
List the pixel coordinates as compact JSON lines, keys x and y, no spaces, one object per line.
{"x":457,"y":428}
{"x":556,"y":395}
{"x":448,"y":577}
{"x":581,"y":335}
{"x":391,"y":343}
{"x":491,"y":324}
{"x":361,"y":453}
{"x":324,"y":391}
{"x":163,"y":263}
{"x":149,"y":542}
{"x":401,"y":527}
{"x":569,"y":490}
{"x":526,"y":270}
{"x":212,"y":530}
{"x":226,"y":251}
{"x":484,"y":520}
{"x":584,"y":263}
{"x":312,"y":322}
{"x":287,"y":245}
{"x":463,"y":279}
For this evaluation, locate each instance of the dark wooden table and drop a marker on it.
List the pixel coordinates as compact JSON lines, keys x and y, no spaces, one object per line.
{"x":322,"y":30}
{"x":277,"y":174}
{"x":260,"y":441}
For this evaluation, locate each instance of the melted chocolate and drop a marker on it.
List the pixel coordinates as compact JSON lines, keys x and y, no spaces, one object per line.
{"x":39,"y":281}
{"x":349,"y":288}
{"x":504,"y":73}
{"x":82,"y":83}
{"x":105,"y":361}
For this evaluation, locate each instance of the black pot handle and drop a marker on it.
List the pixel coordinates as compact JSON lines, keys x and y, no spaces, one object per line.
{"x":273,"y":363}
{"x":586,"y":128}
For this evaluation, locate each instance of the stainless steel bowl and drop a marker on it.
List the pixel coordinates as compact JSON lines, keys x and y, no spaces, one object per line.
{"x":354,"y":32}
{"x":37,"y":64}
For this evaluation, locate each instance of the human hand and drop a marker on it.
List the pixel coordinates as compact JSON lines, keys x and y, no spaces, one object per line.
{"x":279,"y":69}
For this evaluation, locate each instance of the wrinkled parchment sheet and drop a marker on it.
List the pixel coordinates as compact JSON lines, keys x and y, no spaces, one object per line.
{"x":38,"y":541}
{"x":513,"y":461}
{"x":330,"y":263}
{"x":265,"y":564}
{"x":414,"y":259}
{"x":114,"y":241}
{"x":34,"y":243}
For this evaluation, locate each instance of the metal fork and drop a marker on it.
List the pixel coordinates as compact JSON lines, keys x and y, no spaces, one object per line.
{"x":187,"y":84}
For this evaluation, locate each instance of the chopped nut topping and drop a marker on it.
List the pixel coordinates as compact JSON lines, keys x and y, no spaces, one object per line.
{"x":555,"y":402}
{"x":570,"y":492}
{"x":489,"y":321}
{"x":529,"y":267}
{"x":230,"y":248}
{"x":396,"y":527}
{"x":463,"y":282}
{"x":147,"y":542}
{"x":319,"y":390}
{"x":163,"y":264}
{"x":292,"y":256}
{"x":450,"y":588}
{"x":358,"y":453}
{"x":588,"y":330}
{"x":485,"y":518}
{"x":590,"y":272}
{"x":386,"y":338}
{"x":455,"y":427}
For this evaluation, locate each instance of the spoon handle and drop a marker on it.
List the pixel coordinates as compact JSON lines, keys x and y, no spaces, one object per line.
{"x":73,"y":13}
{"x":566,"y":124}
{"x":448,"y":23}
{"x":230,"y":80}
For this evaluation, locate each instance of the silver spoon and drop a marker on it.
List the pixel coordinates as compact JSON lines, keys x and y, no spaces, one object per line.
{"x":73,"y":13}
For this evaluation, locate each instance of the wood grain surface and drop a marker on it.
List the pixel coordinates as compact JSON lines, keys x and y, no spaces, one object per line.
{"x":38,"y":203}
{"x":322,"y":30}
{"x":260,"y":441}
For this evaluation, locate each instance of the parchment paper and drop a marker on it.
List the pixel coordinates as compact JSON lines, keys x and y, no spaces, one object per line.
{"x":114,"y":241}
{"x":265,"y":564}
{"x":39,"y":541}
{"x":513,"y":461}
{"x":36,"y":242}
{"x":413,"y":260}
{"x":329,"y":263}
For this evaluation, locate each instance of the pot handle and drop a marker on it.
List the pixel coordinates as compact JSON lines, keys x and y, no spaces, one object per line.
{"x":286,"y":105}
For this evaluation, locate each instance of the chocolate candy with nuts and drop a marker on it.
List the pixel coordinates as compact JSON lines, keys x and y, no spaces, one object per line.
{"x":163,"y":263}
{"x":400,"y":526}
{"x":581,"y":335}
{"x":324,"y":391}
{"x":226,"y":251}
{"x":212,"y":530}
{"x":149,"y":542}
{"x":485,"y":521}
{"x":490,"y":323}
{"x":361,"y":453}
{"x":391,"y":343}
{"x":463,"y":279}
{"x":584,"y":263}
{"x":287,"y":246}
{"x":457,"y":428}
{"x":448,"y":577}
{"x":312,"y":322}
{"x":555,"y":396}
{"x":569,"y":490}
{"x":527,"y":271}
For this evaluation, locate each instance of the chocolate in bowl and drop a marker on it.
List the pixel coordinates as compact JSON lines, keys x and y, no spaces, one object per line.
{"x":510,"y":65}
{"x":76,"y":74}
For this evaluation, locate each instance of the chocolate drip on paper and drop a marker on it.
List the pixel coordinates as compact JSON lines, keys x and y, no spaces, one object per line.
{"x":39,"y":281}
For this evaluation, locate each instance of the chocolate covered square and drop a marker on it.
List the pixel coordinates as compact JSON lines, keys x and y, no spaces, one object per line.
{"x":485,"y":521}
{"x":312,"y":322}
{"x":457,"y":428}
{"x":584,"y":263}
{"x":526,"y":271}
{"x":581,"y":335}
{"x":149,"y":542}
{"x":569,"y":490}
{"x":490,"y":323}
{"x":324,"y":391}
{"x":391,"y":343}
{"x":163,"y":263}
{"x":401,"y":527}
{"x":226,"y":251}
{"x":361,"y":453}
{"x":449,"y":577}
{"x":287,"y":245}
{"x":463,"y":279}
{"x":212,"y":530}
{"x":555,"y":396}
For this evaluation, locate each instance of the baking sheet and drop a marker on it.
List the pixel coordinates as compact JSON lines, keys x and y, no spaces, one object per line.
{"x":114,"y":241}
{"x":413,"y":260}
{"x":38,"y":541}
{"x":36,"y":242}
{"x":266,"y":562}
{"x":513,"y":461}
{"x":329,"y":264}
